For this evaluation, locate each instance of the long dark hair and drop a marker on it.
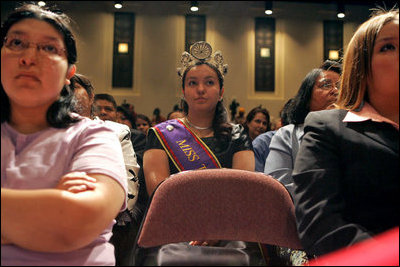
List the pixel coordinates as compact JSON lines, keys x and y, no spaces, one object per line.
{"x":58,"y":115}
{"x":250,"y":116}
{"x":220,"y":124}
{"x":299,"y":107}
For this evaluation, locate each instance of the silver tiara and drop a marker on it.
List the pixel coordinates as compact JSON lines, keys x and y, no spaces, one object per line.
{"x":201,"y":51}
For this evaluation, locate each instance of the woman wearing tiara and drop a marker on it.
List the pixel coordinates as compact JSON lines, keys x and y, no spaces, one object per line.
{"x":203,"y":138}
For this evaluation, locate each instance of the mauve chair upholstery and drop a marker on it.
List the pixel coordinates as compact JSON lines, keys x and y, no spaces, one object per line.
{"x":220,"y":204}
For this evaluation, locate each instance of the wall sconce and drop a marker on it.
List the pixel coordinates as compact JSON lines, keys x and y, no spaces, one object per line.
{"x":265,"y":52}
{"x":333,"y":54}
{"x":123,"y":48}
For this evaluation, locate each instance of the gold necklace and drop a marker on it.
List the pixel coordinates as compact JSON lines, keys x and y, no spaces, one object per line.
{"x":197,"y":127}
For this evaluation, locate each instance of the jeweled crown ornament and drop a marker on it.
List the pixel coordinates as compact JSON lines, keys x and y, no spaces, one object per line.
{"x":202,"y":51}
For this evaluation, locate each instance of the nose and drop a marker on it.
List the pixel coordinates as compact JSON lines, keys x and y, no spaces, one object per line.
{"x":201,"y":88}
{"x":29,"y":56}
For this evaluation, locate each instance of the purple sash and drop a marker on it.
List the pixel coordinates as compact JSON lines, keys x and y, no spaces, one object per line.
{"x":186,"y":150}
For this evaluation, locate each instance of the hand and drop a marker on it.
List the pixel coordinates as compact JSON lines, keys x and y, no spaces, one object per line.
{"x":76,"y":182}
{"x":204,"y":243}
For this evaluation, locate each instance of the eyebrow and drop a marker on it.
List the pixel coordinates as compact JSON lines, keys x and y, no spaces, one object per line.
{"x":207,"y":77}
{"x":19,"y":32}
{"x":385,"y":39}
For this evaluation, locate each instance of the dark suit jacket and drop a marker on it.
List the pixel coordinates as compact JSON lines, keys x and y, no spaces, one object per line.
{"x":346,"y":178}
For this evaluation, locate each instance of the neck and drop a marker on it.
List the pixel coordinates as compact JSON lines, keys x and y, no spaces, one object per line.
{"x":388,"y":109}
{"x":28,"y":121}
{"x":200,"y":126}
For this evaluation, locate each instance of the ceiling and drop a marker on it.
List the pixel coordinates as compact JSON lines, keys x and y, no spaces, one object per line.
{"x":358,"y":9}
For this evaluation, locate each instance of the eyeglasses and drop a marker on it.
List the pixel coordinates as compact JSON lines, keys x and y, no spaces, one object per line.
{"x":48,"y":49}
{"x":329,"y":86}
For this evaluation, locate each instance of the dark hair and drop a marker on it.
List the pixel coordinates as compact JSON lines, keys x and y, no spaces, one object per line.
{"x":250,"y":116}
{"x":58,"y":114}
{"x":143,"y":117}
{"x":128,"y":115}
{"x":220,"y":124}
{"x":300,"y":106}
{"x":84,"y":82}
{"x":87,"y":85}
{"x":331,"y":65}
{"x":106,"y":97}
{"x":283,"y":114}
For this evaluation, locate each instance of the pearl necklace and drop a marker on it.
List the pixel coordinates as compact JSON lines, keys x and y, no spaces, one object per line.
{"x":195,"y":126}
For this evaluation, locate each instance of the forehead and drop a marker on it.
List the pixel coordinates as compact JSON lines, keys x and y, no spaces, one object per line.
{"x":201,"y":71}
{"x":259,"y":116}
{"x":34,"y":28}
{"x":389,"y":30}
{"x":80,"y":91}
{"x":103,"y":102}
{"x":140,"y":121}
{"x":328,"y":75}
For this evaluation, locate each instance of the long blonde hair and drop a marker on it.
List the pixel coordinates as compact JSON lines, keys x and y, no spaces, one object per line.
{"x":358,"y":57}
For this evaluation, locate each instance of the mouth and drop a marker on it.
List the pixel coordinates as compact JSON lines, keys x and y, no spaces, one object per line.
{"x":27,"y":76}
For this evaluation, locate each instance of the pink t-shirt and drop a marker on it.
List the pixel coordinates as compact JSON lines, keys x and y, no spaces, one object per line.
{"x":39,"y":160}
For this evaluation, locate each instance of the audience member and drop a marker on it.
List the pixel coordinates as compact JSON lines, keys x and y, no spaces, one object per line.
{"x":124,"y":116}
{"x":257,"y":122}
{"x":105,"y":107}
{"x":59,"y":191}
{"x":84,"y":94}
{"x":240,"y":118}
{"x":318,"y":91}
{"x":347,"y":169}
{"x":157,"y":117}
{"x":143,"y":123}
{"x":177,"y":114}
{"x":206,"y":122}
{"x":261,"y":142}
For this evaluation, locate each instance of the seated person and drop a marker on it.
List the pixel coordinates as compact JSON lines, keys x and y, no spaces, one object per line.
{"x":60,"y":192}
{"x":347,"y":169}
{"x":174,"y":146}
{"x":318,"y":91}
{"x":261,"y":143}
{"x":257,"y":122}
{"x":84,"y":105}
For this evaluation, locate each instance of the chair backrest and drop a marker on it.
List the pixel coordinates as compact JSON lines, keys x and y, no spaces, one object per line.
{"x":220,"y":204}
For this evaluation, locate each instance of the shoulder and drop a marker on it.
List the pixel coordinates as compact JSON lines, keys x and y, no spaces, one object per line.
{"x":264,"y":138}
{"x":237,"y":130}
{"x":326,"y":115}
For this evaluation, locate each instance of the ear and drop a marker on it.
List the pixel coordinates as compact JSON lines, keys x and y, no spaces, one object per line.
{"x":221,"y":93}
{"x":71,"y":72}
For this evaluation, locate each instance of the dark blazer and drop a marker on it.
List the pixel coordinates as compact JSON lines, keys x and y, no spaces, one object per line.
{"x":346,"y":179}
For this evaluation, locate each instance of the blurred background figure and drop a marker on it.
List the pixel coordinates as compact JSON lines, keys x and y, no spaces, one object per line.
{"x":124,"y":116}
{"x":175,"y":115}
{"x":257,"y":122}
{"x":143,"y":123}
{"x":240,"y":118}
{"x":157,"y":117}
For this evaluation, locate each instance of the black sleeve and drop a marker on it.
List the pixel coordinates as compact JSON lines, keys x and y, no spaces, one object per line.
{"x":240,"y":138}
{"x":318,"y":189}
{"x":152,"y":141}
